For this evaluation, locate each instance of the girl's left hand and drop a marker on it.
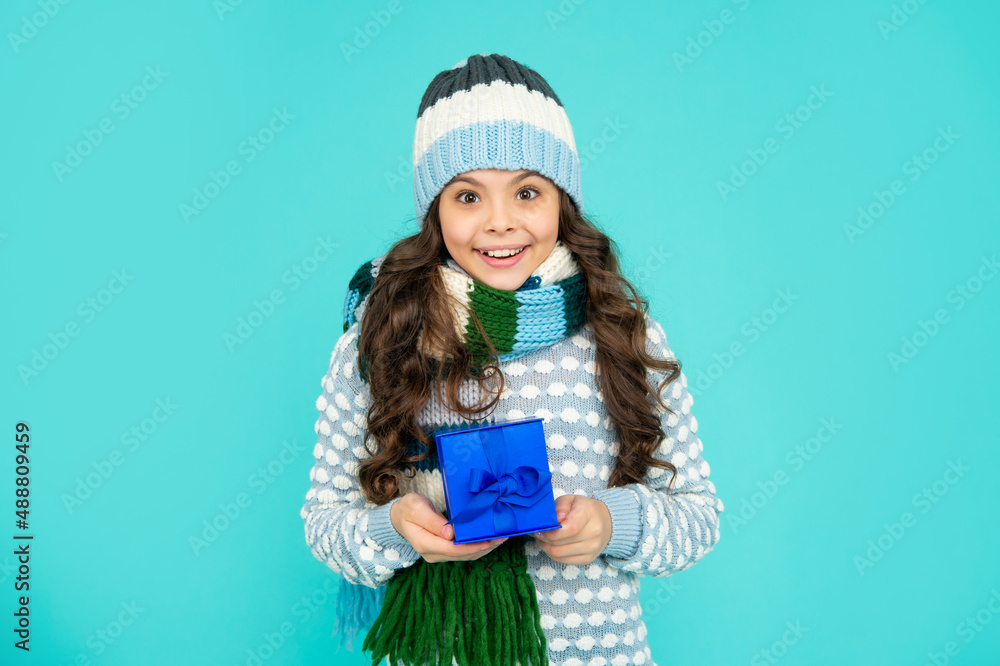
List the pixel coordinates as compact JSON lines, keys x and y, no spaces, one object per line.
{"x":585,"y":531}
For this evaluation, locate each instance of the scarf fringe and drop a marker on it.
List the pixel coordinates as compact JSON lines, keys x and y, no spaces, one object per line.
{"x":481,"y":612}
{"x":357,"y":608}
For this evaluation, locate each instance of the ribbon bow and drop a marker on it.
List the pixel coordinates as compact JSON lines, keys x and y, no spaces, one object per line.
{"x":496,"y":489}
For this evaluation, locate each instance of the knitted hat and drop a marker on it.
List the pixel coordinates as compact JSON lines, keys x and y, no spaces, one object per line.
{"x":490,"y":112}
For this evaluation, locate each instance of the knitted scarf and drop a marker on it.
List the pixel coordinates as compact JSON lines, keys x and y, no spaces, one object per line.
{"x":483,"y":611}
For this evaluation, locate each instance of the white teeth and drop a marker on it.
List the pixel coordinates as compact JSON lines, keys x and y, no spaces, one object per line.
{"x":502,"y":253}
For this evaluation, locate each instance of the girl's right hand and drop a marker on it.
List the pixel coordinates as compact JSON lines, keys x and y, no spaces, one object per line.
{"x":420,"y":523}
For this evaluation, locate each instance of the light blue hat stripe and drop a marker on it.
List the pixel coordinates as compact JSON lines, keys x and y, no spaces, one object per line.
{"x":508,"y":144}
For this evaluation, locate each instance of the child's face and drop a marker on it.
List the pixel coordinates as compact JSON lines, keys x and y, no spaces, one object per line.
{"x":489,"y":208}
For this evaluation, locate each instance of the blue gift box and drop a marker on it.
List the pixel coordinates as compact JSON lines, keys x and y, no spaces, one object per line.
{"x":497,"y":480}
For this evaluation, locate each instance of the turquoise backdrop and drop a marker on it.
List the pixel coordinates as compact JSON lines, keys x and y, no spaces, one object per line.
{"x":805,"y":192}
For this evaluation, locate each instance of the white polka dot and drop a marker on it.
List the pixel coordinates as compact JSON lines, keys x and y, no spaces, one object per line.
{"x":557,"y":389}
{"x":331,"y":457}
{"x":590,"y":471}
{"x":530,"y":391}
{"x":584,"y":595}
{"x":596,"y":618}
{"x":592,"y":419}
{"x":581,"y":443}
{"x":581,"y":342}
{"x":572,"y":621}
{"x":585,"y":642}
{"x":569,"y":468}
{"x":556,"y":441}
{"x":559,"y":597}
{"x":609,"y":640}
{"x":582,"y":391}
{"x":559,"y":644}
{"x":569,"y":415}
{"x":544,"y":367}
{"x":367,"y":553}
{"x":571,"y":572}
{"x":321,"y":475}
{"x":599,"y":446}
{"x":606,"y":594}
{"x":547,"y":621}
{"x":545,"y":572}
{"x":515,"y":368}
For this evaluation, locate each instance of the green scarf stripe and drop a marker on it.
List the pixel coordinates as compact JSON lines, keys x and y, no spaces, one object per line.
{"x":497,"y":310}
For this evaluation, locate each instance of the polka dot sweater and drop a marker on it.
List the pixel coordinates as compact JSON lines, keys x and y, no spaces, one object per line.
{"x":590,"y":613}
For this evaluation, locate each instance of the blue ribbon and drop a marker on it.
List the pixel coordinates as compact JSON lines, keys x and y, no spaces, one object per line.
{"x":496,"y":489}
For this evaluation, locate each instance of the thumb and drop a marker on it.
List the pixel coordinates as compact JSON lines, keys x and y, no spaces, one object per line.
{"x":427,"y":516}
{"x":564,"y":504}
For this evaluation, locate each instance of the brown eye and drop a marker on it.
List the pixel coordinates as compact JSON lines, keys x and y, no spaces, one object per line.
{"x":461,"y":196}
{"x":529,"y":189}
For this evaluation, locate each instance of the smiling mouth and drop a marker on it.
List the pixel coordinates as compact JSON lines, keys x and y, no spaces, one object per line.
{"x":507,"y":254}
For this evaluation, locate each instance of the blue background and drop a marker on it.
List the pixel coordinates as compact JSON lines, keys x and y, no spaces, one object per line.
{"x":658,"y":134}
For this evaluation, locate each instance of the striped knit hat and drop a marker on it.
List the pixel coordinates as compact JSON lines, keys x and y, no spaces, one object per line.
{"x":490,"y":112}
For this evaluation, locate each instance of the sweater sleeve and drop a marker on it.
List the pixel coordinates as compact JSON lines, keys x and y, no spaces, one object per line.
{"x":656,"y":532}
{"x":351,"y":535}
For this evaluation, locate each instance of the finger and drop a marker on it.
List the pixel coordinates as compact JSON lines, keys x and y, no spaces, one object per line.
{"x":449,"y":547}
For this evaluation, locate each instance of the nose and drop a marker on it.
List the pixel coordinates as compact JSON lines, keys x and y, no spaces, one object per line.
{"x":501,"y":217}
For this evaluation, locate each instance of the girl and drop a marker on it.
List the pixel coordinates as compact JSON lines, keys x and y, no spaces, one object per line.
{"x":508,"y":304}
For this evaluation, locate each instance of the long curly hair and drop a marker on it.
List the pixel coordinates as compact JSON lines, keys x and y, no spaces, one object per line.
{"x":409,"y":296}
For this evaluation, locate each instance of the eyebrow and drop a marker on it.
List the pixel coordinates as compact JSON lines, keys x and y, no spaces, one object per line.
{"x":514,"y":181}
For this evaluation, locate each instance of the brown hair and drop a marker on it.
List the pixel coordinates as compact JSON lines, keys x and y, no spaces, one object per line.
{"x":409,"y":296}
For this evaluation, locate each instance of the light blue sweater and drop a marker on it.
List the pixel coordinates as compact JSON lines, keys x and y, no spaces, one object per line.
{"x":590,"y":613}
